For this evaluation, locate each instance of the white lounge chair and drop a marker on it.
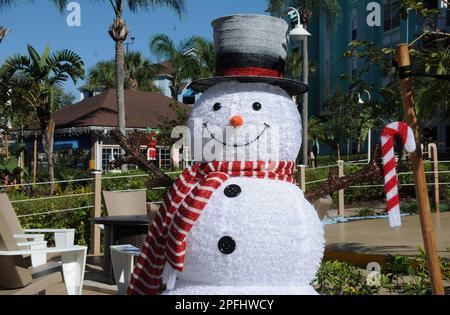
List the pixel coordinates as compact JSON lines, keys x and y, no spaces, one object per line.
{"x":33,"y":238}
{"x":17,"y":276}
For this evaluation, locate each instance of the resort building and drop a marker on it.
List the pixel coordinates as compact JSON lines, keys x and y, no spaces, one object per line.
{"x":81,"y":130}
{"x":327,"y":46}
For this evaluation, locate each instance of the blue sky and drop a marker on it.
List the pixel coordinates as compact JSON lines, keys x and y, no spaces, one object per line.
{"x":39,"y":23}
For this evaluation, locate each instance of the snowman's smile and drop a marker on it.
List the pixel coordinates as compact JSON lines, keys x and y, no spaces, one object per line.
{"x":266,"y":126}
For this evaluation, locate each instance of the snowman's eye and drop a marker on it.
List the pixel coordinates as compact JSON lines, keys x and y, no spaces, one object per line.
{"x":257,"y":106}
{"x":217,"y":107}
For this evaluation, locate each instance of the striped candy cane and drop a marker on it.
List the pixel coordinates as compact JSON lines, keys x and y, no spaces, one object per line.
{"x":389,"y":163}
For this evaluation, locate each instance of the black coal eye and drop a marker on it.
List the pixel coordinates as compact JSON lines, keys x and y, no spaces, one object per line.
{"x":257,"y":106}
{"x":217,"y":107}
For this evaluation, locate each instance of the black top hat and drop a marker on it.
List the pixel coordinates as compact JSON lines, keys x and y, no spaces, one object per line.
{"x":250,"y":48}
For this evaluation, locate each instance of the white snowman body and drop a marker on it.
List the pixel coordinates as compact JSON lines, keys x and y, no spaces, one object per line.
{"x":277,"y":236}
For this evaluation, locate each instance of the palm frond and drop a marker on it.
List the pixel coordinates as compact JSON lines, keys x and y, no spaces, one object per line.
{"x":179,"y":6}
{"x":163,"y":46}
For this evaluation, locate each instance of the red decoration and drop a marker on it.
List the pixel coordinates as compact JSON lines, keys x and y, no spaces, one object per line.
{"x":389,"y":163}
{"x":250,"y":71}
{"x":151,"y":151}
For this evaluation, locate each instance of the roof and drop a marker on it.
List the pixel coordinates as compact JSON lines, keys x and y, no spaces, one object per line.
{"x":166,"y":67}
{"x":143,"y":110}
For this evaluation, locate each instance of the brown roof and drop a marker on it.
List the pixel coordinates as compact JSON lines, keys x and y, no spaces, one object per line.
{"x":166,"y":67}
{"x":143,"y":110}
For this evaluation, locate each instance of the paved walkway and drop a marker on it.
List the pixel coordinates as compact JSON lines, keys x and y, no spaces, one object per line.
{"x":377,"y":238}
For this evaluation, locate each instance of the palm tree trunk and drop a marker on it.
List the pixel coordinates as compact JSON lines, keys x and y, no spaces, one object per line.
{"x":47,"y":144}
{"x":305,"y":99}
{"x":120,"y":79}
{"x":174,"y":90}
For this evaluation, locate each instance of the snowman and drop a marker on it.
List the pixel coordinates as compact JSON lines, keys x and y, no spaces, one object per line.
{"x":236,"y":223}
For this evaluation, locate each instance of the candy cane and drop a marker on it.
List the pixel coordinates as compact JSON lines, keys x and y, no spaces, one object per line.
{"x":389,"y":163}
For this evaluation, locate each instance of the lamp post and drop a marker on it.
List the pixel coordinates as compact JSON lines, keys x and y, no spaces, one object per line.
{"x":300,"y":33}
{"x":129,"y":43}
{"x":369,"y":136}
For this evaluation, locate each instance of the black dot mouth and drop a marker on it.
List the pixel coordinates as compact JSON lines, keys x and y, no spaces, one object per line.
{"x":266,"y":126}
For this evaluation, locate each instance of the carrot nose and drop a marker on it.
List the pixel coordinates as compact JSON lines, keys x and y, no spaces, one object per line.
{"x":237,"y":121}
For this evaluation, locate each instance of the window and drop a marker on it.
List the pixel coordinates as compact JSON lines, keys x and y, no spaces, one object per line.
{"x":448,"y":17}
{"x":165,"y":158}
{"x":109,"y":154}
{"x":391,"y":15}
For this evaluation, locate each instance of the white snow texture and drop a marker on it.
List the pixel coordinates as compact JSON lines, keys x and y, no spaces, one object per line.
{"x":281,"y":142}
{"x":279,"y":237}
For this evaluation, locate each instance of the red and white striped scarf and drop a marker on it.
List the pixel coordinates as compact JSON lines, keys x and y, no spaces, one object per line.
{"x":182,"y":206}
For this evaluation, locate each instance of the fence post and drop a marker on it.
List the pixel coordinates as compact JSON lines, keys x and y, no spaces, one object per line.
{"x":434,"y":156}
{"x":341,"y":208}
{"x":97,"y":212}
{"x":303,"y":178}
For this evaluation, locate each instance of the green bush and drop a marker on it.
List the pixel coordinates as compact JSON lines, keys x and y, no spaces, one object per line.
{"x":341,"y":278}
{"x":45,"y":213}
{"x":400,"y":275}
{"x":366,"y":212}
{"x":410,"y":276}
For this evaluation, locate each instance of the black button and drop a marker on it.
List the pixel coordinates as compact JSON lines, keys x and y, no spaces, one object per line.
{"x":232,"y":191}
{"x":227,"y":245}
{"x":257,"y":106}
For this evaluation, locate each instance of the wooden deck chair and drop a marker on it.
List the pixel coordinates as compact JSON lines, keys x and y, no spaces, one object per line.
{"x":125,"y":203}
{"x":63,"y":237}
{"x":17,"y":277}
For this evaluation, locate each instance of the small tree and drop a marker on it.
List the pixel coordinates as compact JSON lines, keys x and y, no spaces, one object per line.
{"x":36,"y":77}
{"x":430,"y":52}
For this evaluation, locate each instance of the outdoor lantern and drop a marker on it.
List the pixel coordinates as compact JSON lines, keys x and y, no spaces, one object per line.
{"x":360,"y":100}
{"x":298,"y":32}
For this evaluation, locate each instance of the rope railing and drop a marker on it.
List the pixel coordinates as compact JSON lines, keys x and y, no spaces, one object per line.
{"x":137,"y":176}
{"x":319,"y":168}
{"x":48,"y":183}
{"x":52,"y":212}
{"x":403,"y":173}
{"x":52,"y":197}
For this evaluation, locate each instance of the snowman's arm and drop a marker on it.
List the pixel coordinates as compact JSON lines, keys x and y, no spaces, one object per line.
{"x":131,"y":146}
{"x":373,"y":171}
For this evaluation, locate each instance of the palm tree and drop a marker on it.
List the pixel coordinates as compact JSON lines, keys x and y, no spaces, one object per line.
{"x":36,"y":77}
{"x":189,"y":59}
{"x":140,"y":73}
{"x":204,"y":53}
{"x":102,"y":76}
{"x":119,"y":33}
{"x":306,"y":8}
